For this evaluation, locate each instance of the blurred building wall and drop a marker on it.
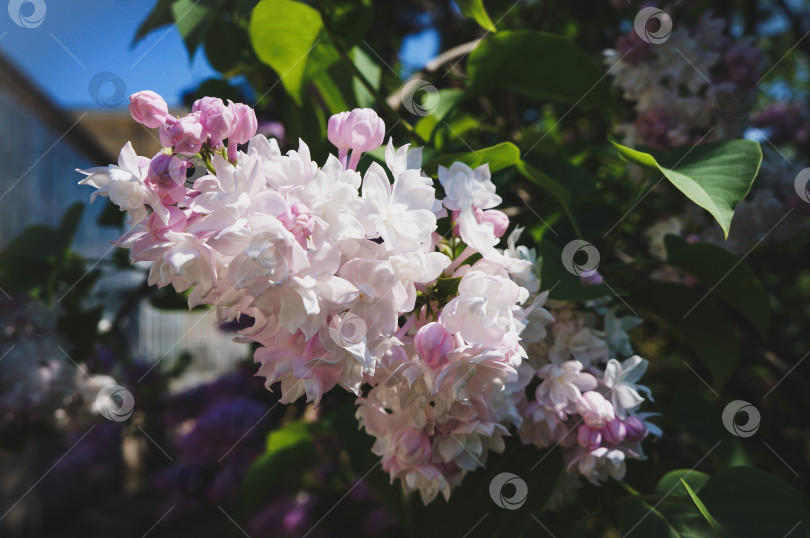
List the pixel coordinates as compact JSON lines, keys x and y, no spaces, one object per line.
{"x":41,"y":147}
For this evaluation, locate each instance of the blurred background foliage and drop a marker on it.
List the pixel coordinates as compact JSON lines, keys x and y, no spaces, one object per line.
{"x":533,"y":99}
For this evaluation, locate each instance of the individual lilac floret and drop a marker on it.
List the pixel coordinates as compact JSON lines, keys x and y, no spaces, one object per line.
{"x":216,"y":117}
{"x":148,"y":108}
{"x":244,"y":128}
{"x":186,"y":135}
{"x":359,"y":130}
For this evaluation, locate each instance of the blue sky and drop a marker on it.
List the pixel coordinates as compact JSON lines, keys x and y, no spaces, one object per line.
{"x":83,"y":45}
{"x":78,"y":39}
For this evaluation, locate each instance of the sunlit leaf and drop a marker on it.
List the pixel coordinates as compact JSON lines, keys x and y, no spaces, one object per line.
{"x":715,"y":176}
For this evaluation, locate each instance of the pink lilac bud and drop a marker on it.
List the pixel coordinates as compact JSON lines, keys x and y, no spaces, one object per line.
{"x":615,"y":431}
{"x":589,"y":438}
{"x":246,"y":123}
{"x":186,"y":135}
{"x":596,"y":411}
{"x":217,"y":118}
{"x":359,"y":130}
{"x":148,"y":108}
{"x":167,"y":176}
{"x":245,"y":127}
{"x":413,"y":448}
{"x":636,"y":430}
{"x":498,"y":219}
{"x":433,"y":343}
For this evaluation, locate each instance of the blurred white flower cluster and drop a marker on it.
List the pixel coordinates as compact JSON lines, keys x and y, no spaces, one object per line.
{"x":695,"y":86}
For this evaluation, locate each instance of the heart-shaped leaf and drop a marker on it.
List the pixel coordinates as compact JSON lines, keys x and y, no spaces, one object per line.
{"x":715,"y":176}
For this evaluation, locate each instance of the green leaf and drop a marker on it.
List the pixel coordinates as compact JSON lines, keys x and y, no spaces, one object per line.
{"x":475,"y":10}
{"x":289,"y":37}
{"x":350,"y":20}
{"x":227,"y":46}
{"x":695,"y":415}
{"x":371,"y":71}
{"x":193,"y":19}
{"x":751,"y":502}
{"x":670,"y":483}
{"x":290,"y":435}
{"x":289,"y":450}
{"x":576,"y":180}
{"x":715,"y":176}
{"x":332,"y":90}
{"x":557,"y":70}
{"x":498,"y":157}
{"x":69,"y":224}
{"x":638,"y":519}
{"x":161,"y":15}
{"x":564,"y":285}
{"x":32,"y":261}
{"x":718,"y":528}
{"x":705,"y":330}
{"x":544,"y":181}
{"x":244,"y":7}
{"x":727,"y":276}
{"x":448,"y":99}
{"x":670,"y":517}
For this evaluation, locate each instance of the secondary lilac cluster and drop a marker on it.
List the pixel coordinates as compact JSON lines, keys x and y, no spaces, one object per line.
{"x":349,"y":282}
{"x":695,"y":86}
{"x":587,"y":400}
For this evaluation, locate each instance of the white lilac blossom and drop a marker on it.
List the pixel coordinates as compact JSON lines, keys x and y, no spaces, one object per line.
{"x":350,"y":285}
